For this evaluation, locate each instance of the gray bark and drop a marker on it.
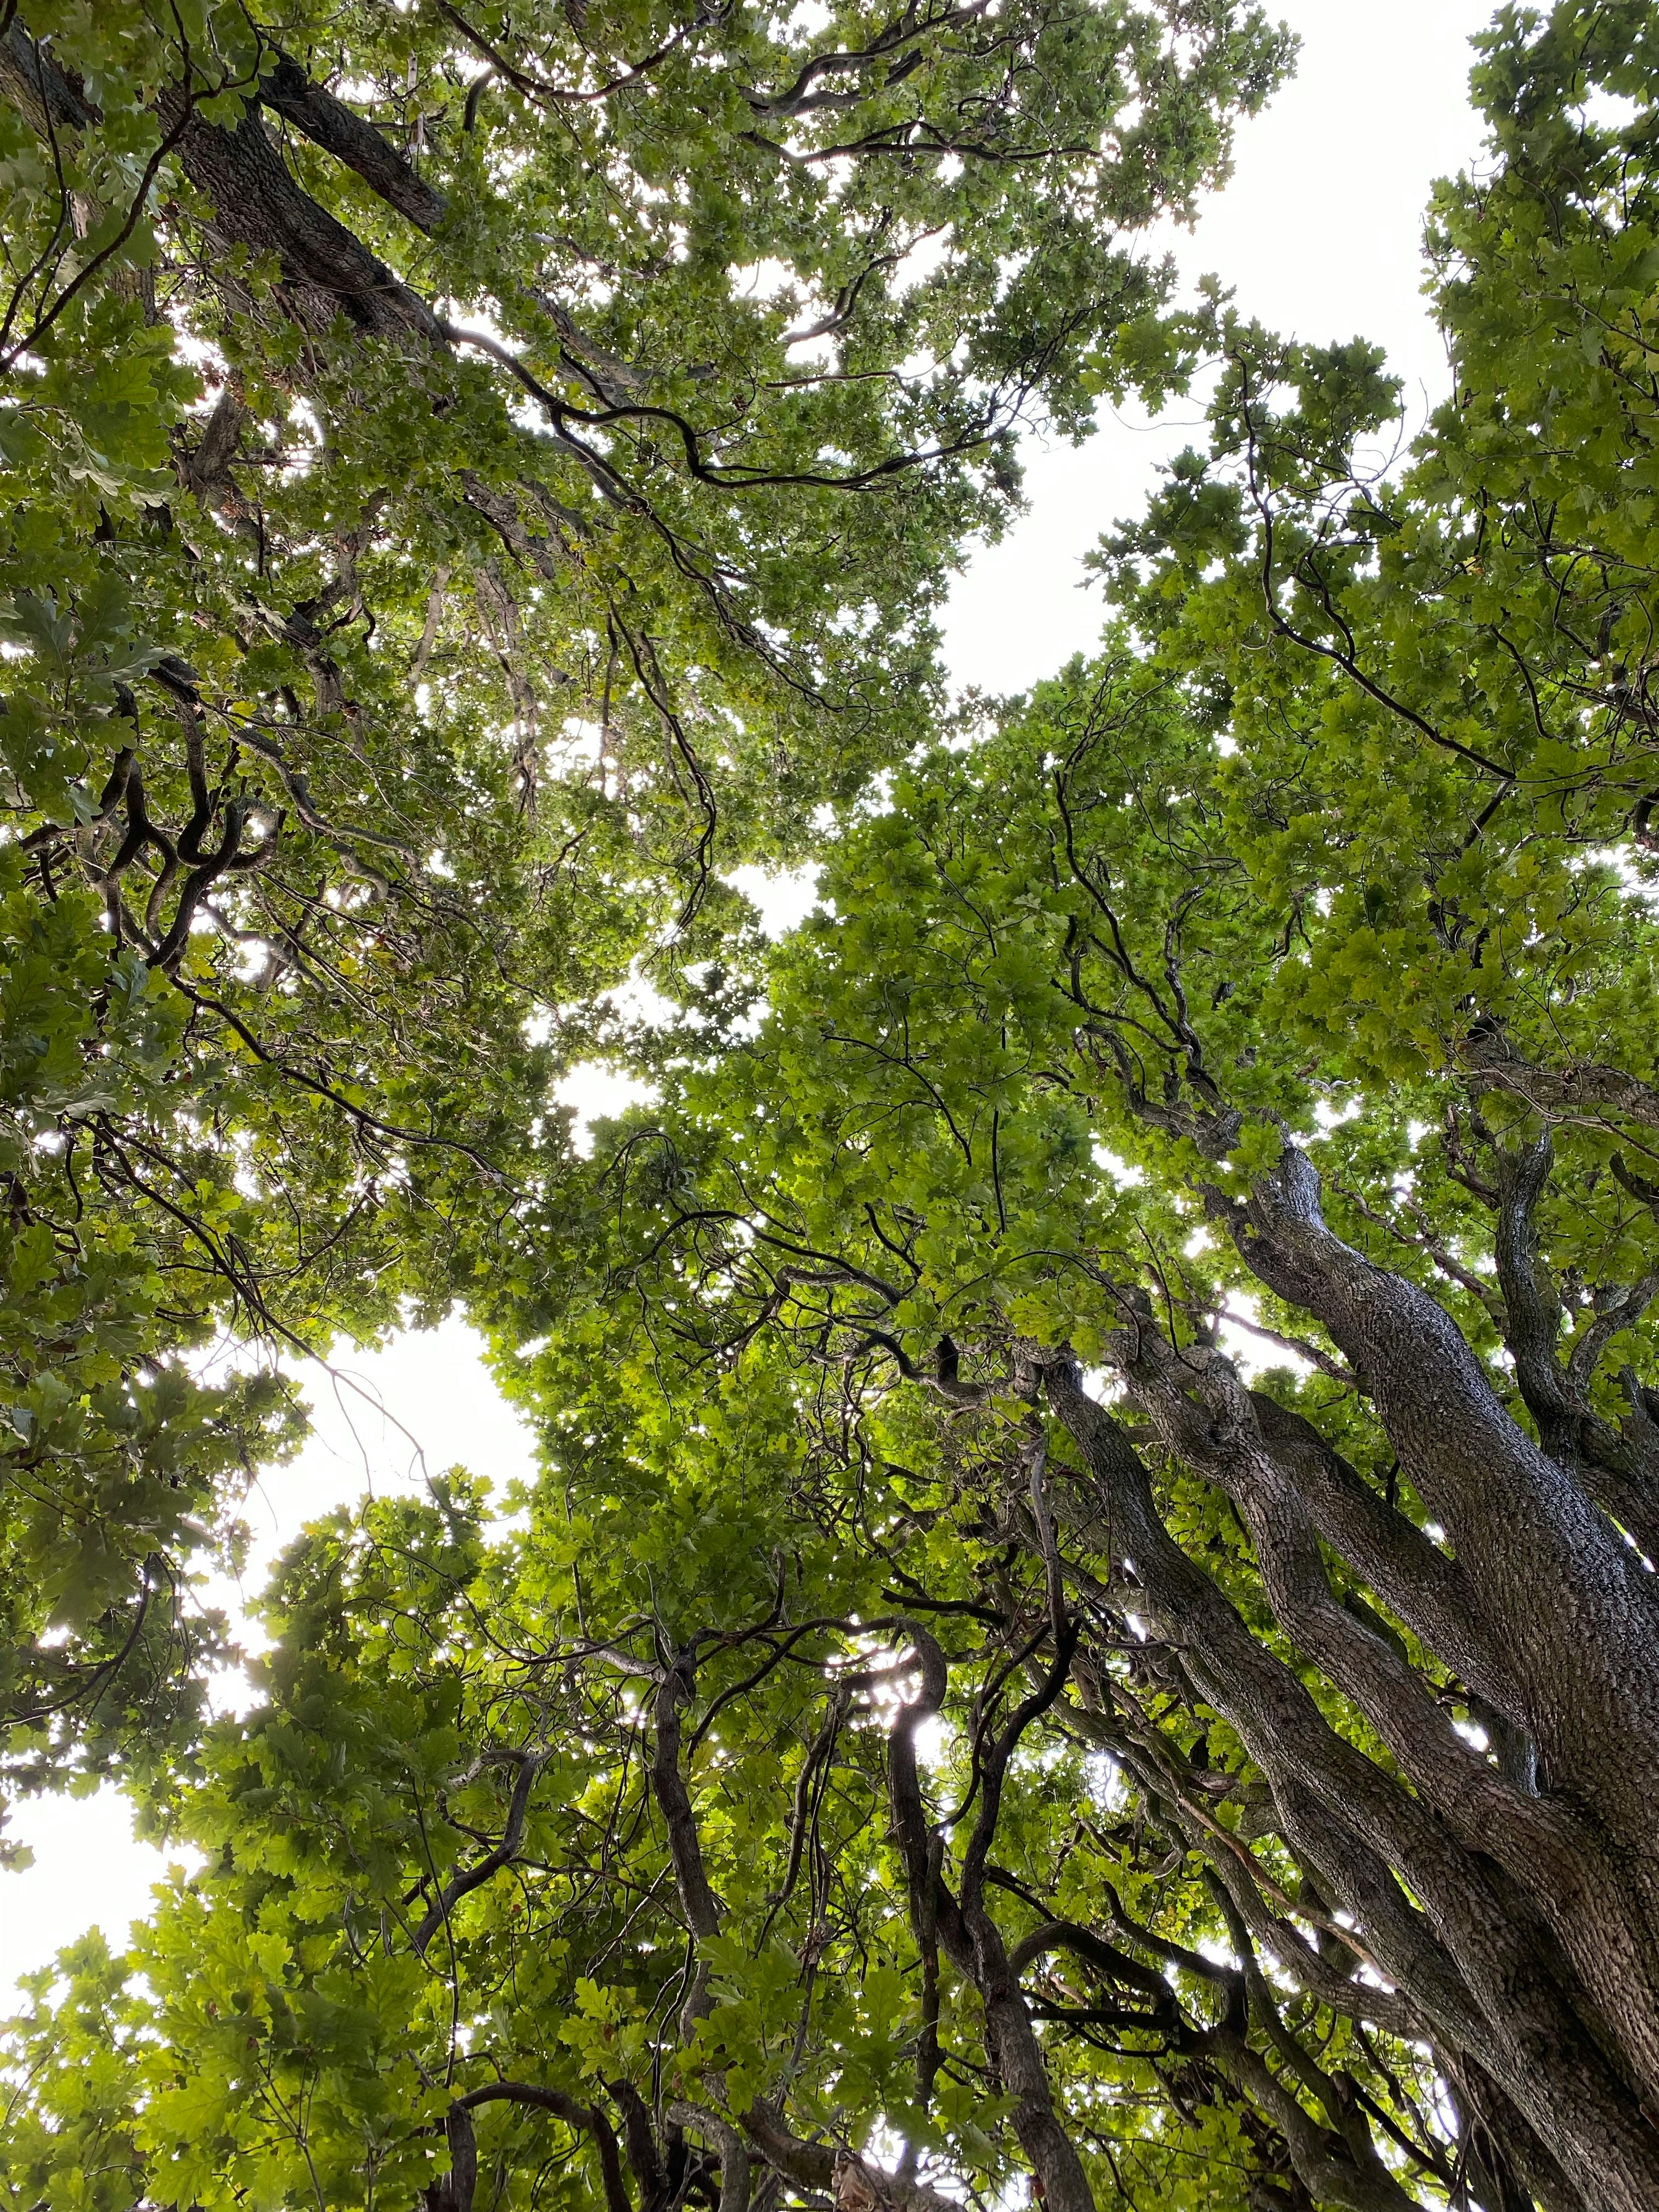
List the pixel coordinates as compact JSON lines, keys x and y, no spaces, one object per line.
{"x":340,"y":130}
{"x":1554,"y":1592}
{"x":1457,"y":1946}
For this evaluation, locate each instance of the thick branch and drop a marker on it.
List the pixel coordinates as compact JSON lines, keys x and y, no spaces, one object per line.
{"x":1557,"y":1861}
{"x":840,"y":2173}
{"x":339,"y":131}
{"x":697,"y":1899}
{"x":1587,"y":1093}
{"x":1413,"y":1577}
{"x":463,"y":2149}
{"x":1564,"y":1603}
{"x":461,"y":1885}
{"x":38,"y":89}
{"x":1497,"y":2000}
{"x":330,"y":270}
{"x":734,"y":2153}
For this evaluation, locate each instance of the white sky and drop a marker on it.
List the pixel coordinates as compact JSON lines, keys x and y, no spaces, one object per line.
{"x":1318,"y":234}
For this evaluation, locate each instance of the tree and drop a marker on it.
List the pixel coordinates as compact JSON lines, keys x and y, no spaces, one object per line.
{"x":1299,"y":950}
{"x":1089,"y":1610}
{"x":457,"y":462}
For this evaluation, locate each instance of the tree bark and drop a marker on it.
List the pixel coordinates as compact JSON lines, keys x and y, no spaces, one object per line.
{"x":1469,"y":1962}
{"x":326,"y":269}
{"x":973,"y":1943}
{"x":340,"y":130}
{"x":1556,"y":1595}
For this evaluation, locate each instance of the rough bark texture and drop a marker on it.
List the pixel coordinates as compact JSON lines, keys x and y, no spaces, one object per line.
{"x":339,"y":131}
{"x":38,"y":89}
{"x":326,"y":270}
{"x":1508,"y":1895}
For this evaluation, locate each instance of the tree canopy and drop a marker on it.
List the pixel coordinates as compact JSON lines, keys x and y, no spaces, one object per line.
{"x":459,"y":467}
{"x":1086,"y":1629}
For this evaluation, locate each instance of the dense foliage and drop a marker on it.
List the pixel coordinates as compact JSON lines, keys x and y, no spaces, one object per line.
{"x":458,"y":464}
{"x":1087,"y":1627}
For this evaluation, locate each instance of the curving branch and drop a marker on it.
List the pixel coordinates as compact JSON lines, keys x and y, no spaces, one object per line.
{"x":1587,"y":1093}
{"x":965,"y":1926}
{"x":529,"y":1765}
{"x":460,"y":2184}
{"x":734,"y":2164}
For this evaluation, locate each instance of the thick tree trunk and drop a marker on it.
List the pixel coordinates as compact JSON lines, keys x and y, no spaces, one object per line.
{"x":1557,"y":1861}
{"x":1466,"y":1947}
{"x":326,"y":269}
{"x":1554,"y":1592}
